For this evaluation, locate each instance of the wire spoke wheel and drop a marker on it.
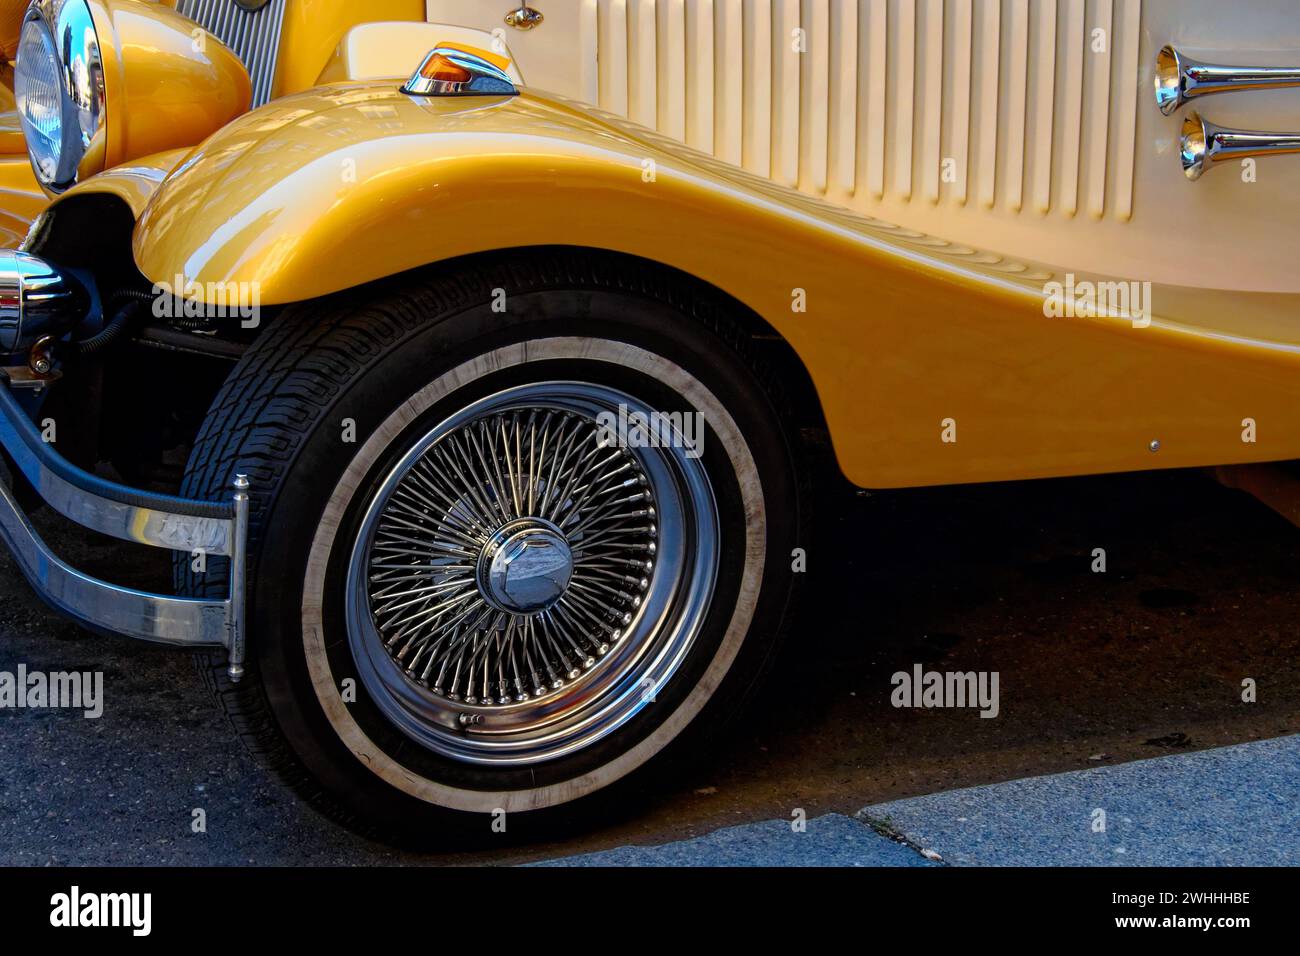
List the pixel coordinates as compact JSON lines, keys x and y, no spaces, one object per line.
{"x":526,"y":578}
{"x":551,"y":575}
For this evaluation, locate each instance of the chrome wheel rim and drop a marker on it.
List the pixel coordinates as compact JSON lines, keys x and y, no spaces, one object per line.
{"x":523,"y":583}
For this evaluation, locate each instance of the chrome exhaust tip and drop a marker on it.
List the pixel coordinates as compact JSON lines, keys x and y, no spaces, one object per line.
{"x":1180,"y":79}
{"x":1195,"y":146}
{"x":1171,"y":90}
{"x":1204,"y":145}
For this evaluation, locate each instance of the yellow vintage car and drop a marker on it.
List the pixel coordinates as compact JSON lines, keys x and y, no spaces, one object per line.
{"x":466,"y":354}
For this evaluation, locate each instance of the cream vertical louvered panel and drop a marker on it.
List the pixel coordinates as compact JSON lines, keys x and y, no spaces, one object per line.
{"x":930,"y":119}
{"x":728,"y":79}
{"x":670,"y":41}
{"x":842,"y":145}
{"x":900,"y":69}
{"x":871,"y":130}
{"x":1017,"y":85}
{"x":786,"y":62}
{"x":1097,"y":105}
{"x":612,"y":34}
{"x":643,"y":62}
{"x":701,"y":83}
{"x":589,"y":53}
{"x":1128,"y":44}
{"x":815,"y":99}
{"x":756,"y":68}
{"x":960,"y":38}
{"x":986,"y":79}
{"x":1071,"y":116}
{"x":1042,"y":106}
{"x":1026,"y":107}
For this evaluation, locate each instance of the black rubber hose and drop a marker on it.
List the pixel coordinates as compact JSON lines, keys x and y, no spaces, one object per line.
{"x":110,"y":333}
{"x":190,"y":325}
{"x":113,"y":330}
{"x":137,"y":295}
{"x":180,"y":321}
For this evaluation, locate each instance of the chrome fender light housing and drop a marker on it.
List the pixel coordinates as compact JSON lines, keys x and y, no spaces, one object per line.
{"x":451,"y":70}
{"x":36,"y":299}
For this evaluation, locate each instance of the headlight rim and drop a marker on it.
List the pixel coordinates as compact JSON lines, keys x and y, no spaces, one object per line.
{"x":70,"y":25}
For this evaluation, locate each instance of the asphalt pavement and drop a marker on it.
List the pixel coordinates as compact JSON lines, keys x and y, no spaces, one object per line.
{"x":1099,"y":673}
{"x":1233,"y":806}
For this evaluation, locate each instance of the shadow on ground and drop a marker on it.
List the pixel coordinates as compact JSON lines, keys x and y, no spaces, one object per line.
{"x":1200,"y":592}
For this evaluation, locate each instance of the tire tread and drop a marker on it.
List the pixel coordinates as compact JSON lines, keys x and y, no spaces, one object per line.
{"x":302,"y":364}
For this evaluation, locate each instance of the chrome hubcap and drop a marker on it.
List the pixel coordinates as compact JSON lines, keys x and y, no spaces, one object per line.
{"x":521,"y":584}
{"x":525,"y":567}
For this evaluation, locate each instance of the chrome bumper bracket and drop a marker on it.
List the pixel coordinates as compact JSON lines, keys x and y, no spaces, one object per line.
{"x":160,"y":521}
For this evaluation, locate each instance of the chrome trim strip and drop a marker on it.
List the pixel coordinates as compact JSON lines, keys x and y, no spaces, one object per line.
{"x":1204,"y":145}
{"x":238,"y":578}
{"x":136,"y":516}
{"x":1180,"y":79}
{"x":158,"y":529}
{"x":135,"y":523}
{"x":183,"y":622}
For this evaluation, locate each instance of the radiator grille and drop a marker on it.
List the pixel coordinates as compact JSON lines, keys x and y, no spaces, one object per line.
{"x":254,"y":37}
{"x":1014,"y":104}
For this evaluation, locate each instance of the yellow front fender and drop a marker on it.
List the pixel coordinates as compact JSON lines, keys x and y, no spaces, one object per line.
{"x":934,"y":363}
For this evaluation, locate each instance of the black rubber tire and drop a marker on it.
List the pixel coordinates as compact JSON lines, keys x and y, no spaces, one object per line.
{"x":362,"y":354}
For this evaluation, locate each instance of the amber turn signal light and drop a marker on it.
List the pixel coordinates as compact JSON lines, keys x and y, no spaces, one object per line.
{"x":451,"y":70}
{"x":439,"y":69}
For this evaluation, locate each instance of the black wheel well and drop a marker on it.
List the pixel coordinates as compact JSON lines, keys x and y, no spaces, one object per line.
{"x":766,"y":342}
{"x":91,"y":231}
{"x":94,"y":231}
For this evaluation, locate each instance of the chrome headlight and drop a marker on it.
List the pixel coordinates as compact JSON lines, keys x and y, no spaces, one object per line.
{"x":59,"y":90}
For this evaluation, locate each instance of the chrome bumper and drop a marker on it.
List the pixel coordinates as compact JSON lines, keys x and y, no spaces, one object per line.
{"x":160,"y":521}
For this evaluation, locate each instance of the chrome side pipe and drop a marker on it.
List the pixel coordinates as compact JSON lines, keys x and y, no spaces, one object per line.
{"x":1181,"y":79}
{"x":1205,"y":145}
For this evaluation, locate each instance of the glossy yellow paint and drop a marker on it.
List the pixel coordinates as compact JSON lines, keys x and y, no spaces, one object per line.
{"x":21,"y":199}
{"x":314,"y":28}
{"x":164,"y":89}
{"x":11,"y":21}
{"x":12,"y":142}
{"x":135,"y":183}
{"x":902,"y":333}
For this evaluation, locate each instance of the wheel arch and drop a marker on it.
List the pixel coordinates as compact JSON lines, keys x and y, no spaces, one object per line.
{"x":92,"y":225}
{"x":762,"y":343}
{"x":89,"y":230}
{"x":345,"y":185}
